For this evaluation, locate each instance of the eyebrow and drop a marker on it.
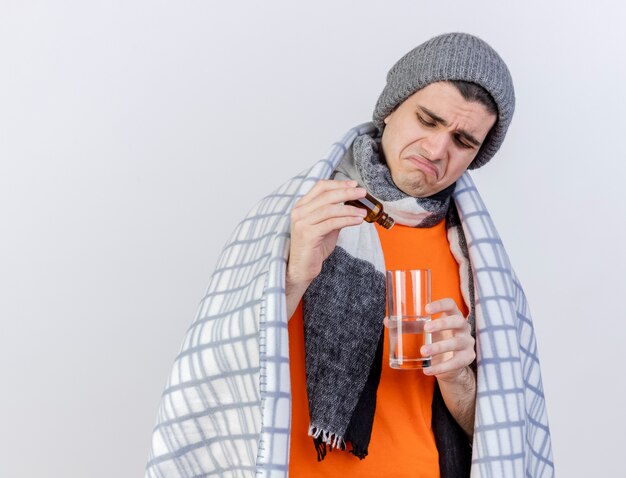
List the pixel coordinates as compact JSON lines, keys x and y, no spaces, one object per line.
{"x":461,"y":132}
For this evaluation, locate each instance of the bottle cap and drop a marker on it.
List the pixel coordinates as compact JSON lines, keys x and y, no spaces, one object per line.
{"x":386,"y":221}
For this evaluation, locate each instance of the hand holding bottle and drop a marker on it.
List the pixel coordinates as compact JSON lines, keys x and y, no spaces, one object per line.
{"x":316,"y":221}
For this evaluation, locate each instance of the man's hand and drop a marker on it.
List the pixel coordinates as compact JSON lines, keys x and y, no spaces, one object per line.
{"x":452,"y":351}
{"x":316,"y":221}
{"x":452,"y":347}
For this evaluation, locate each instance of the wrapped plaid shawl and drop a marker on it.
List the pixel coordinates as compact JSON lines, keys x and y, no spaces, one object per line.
{"x":225,"y":410}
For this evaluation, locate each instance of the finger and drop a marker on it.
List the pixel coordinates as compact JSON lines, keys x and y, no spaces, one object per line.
{"x":330,"y":211}
{"x":322,"y":186}
{"x":445,"y":306}
{"x":334,"y":224}
{"x":457,"y":344}
{"x":455,"y":323}
{"x":315,"y":232}
{"x":325,"y":198}
{"x":454,"y":365}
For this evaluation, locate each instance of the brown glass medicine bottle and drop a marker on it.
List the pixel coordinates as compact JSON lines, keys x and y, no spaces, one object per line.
{"x":374,"y":210}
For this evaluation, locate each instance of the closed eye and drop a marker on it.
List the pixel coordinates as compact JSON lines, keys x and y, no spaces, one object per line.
{"x":462,"y":143}
{"x":424,"y":122}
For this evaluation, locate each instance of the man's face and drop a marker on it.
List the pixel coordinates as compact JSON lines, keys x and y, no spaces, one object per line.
{"x":432,"y":137}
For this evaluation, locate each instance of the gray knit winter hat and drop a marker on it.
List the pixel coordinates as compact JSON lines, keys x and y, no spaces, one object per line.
{"x":452,"y":56}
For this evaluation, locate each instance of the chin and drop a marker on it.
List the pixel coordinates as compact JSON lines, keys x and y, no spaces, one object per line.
{"x":416,"y":188}
{"x":416,"y":192}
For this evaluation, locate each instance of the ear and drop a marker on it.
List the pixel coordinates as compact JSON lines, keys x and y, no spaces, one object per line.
{"x":386,"y":120}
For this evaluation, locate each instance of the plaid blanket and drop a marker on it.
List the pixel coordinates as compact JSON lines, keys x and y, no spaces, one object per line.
{"x":226,"y":407}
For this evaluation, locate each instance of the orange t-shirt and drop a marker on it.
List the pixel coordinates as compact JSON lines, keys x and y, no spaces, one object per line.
{"x":402,"y":443}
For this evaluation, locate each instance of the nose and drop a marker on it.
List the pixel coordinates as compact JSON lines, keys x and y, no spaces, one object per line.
{"x":436,"y":145}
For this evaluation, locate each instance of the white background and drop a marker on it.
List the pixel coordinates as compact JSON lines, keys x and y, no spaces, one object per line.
{"x":134,"y":135}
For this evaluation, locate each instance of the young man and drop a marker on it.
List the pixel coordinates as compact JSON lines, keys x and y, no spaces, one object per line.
{"x":251,"y":390}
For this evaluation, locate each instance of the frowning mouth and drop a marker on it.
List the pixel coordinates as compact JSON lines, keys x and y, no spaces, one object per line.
{"x":424,"y":165}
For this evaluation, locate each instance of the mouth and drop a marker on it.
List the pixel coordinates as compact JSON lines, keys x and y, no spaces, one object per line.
{"x":424,"y":165}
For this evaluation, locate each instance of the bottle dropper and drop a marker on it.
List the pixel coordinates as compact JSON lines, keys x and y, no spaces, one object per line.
{"x":374,"y":210}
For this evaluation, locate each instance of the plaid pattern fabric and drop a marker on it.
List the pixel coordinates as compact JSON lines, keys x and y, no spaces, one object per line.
{"x":511,"y":433}
{"x":226,"y":407}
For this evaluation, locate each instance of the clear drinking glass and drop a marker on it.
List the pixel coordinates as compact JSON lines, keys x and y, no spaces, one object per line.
{"x":408,"y":292}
